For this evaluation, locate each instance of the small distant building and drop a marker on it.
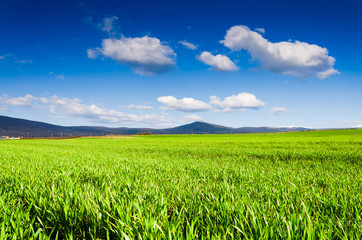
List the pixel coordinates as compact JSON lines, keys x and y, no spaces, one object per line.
{"x":9,"y":138}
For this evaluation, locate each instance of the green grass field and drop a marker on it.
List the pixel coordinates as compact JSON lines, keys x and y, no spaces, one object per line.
{"x":254,"y":186}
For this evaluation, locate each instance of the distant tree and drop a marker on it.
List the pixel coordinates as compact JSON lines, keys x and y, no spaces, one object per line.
{"x":144,"y":133}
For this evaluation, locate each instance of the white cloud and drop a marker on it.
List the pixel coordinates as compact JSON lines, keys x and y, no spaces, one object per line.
{"x":145,"y":56}
{"x":26,"y":101}
{"x":239,"y":102}
{"x":11,"y":58}
{"x":74,"y":107}
{"x":191,"y":118}
{"x":228,"y":110}
{"x":261,"y":30}
{"x":278,"y":111}
{"x":139,"y":107}
{"x":93,"y":53}
{"x":63,"y":107}
{"x":356,"y":124}
{"x":294,"y":126}
{"x":188,"y":45}
{"x":218,"y":63}
{"x":289,"y":58}
{"x":60,"y":76}
{"x":108,"y":24}
{"x":327,"y":73}
{"x":184,"y":104}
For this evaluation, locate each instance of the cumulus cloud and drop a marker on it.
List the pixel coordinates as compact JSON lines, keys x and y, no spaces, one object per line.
{"x":239,"y":102}
{"x":278,"y":111}
{"x":185,"y":104}
{"x":289,"y":58}
{"x":26,"y":101}
{"x":74,"y":107}
{"x":261,"y":30}
{"x":188,"y":45}
{"x":191,"y":118}
{"x":139,"y":107}
{"x":145,"y":56}
{"x":220,"y":63}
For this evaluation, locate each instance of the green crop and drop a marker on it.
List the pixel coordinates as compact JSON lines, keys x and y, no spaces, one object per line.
{"x":304,"y":185}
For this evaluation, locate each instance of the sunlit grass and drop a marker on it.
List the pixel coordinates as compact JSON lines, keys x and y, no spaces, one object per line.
{"x":268,"y":186}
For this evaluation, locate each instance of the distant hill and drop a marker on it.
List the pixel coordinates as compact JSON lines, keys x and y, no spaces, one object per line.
{"x":31,"y":129}
{"x":198,"y":128}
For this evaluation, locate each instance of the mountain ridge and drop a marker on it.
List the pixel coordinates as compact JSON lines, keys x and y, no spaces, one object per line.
{"x":14,"y":127}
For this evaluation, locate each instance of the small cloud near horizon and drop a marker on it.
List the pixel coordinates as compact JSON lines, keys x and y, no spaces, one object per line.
{"x":191,"y":118}
{"x":278,"y":111}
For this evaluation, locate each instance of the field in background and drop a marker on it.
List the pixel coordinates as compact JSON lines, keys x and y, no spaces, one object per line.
{"x":286,"y":186}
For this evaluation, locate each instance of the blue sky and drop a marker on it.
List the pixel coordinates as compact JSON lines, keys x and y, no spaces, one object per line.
{"x":167,"y":63}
